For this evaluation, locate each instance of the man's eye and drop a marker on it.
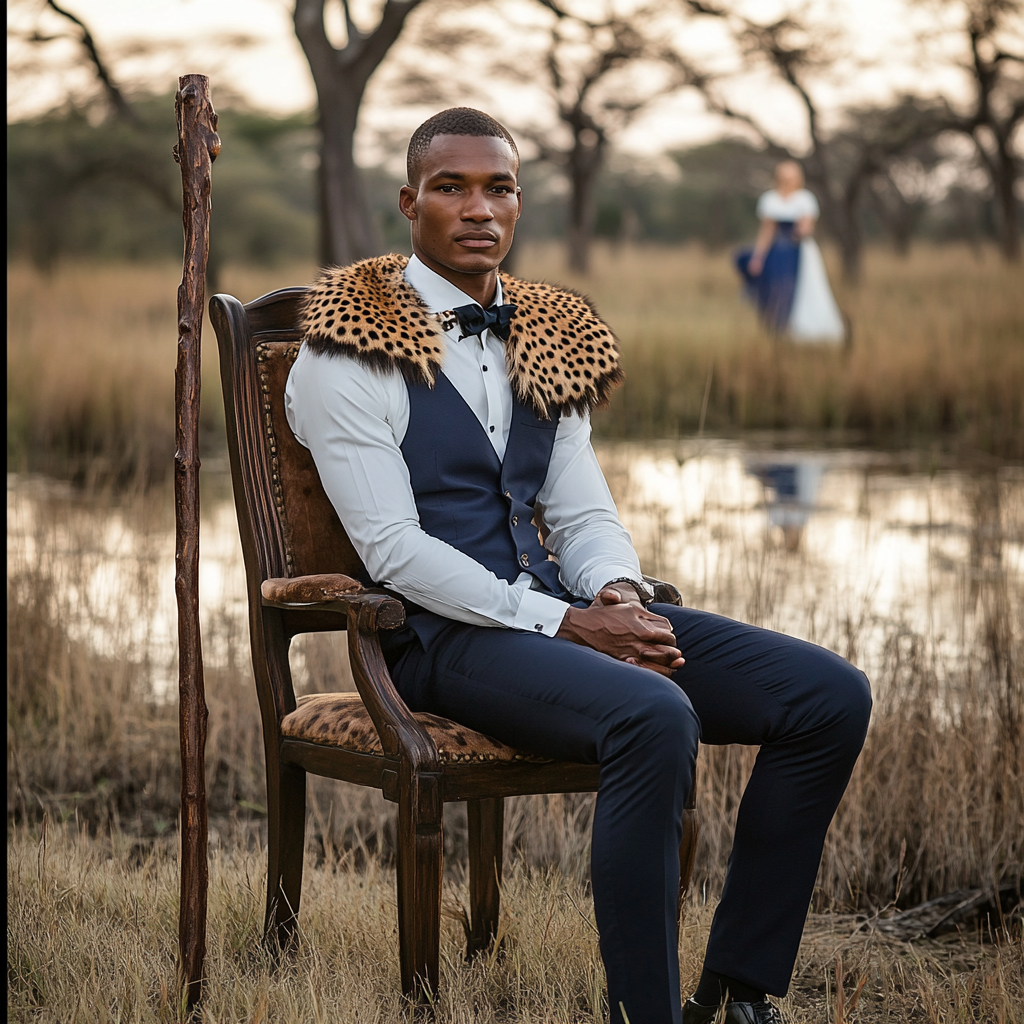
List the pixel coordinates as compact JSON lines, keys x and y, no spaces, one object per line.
{"x":502,"y":188}
{"x":448,"y":189}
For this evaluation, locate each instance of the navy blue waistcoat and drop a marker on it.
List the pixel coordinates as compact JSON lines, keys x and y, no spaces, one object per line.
{"x":471,"y":499}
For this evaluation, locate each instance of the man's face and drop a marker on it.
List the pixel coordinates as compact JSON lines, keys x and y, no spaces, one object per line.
{"x":464,"y":208}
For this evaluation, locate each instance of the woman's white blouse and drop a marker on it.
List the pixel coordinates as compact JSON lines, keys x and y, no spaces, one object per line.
{"x":353,"y":420}
{"x":798,"y":204}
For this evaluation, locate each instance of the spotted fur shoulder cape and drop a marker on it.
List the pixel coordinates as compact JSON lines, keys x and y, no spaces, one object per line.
{"x":560,"y":355}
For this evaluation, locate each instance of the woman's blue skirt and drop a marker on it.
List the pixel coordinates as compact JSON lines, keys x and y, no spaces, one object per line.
{"x":772,"y":290}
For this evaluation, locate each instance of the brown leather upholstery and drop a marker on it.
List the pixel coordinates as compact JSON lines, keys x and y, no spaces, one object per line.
{"x":327,"y":586}
{"x":341,"y":720}
{"x":315,"y":541}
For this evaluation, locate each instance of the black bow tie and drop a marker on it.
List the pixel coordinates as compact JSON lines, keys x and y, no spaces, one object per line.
{"x":474,"y":320}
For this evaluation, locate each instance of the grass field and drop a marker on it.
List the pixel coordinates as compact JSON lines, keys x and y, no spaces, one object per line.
{"x":936,"y":803}
{"x":92,"y":925}
{"x":937,"y":350}
{"x":938,"y":353}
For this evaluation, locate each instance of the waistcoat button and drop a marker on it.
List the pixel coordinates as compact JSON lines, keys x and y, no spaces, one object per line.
{"x":525,"y":559}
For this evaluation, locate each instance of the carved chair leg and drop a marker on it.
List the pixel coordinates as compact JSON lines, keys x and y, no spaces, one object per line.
{"x":286,"y":828}
{"x":419,"y":885}
{"x":486,"y":838}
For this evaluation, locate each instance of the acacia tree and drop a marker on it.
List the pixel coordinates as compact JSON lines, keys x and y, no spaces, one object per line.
{"x":347,"y":228}
{"x":581,"y":58}
{"x":838,"y":164}
{"x":994,"y":31}
{"x":114,"y":95}
{"x":51,"y":164}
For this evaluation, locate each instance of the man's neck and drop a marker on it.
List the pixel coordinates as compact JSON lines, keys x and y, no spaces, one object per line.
{"x":480,"y":288}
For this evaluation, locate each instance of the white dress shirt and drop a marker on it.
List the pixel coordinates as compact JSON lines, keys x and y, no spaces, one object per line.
{"x":353,"y":420}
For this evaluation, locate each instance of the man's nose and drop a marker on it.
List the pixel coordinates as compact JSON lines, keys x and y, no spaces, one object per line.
{"x":477,"y":208}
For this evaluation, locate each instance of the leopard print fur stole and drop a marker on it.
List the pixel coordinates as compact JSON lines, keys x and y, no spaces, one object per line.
{"x":560,"y":355}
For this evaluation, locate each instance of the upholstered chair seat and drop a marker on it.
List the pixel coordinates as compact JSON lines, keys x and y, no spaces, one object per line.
{"x":341,"y":720}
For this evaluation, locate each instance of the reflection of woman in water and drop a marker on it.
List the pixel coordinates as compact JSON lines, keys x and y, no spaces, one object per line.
{"x":784,"y":272}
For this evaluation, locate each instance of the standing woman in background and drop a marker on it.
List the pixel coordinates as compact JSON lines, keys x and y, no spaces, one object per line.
{"x":784,"y":272}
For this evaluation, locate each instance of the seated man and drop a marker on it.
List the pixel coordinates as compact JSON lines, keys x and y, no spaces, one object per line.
{"x":445,"y":406}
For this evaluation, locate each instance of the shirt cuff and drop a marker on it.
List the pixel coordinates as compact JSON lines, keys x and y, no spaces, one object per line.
{"x":540,"y":613}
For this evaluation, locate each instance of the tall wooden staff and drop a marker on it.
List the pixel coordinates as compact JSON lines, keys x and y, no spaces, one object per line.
{"x":197,"y":148}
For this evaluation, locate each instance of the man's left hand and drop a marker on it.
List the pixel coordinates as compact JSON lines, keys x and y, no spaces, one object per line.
{"x":660,"y":659}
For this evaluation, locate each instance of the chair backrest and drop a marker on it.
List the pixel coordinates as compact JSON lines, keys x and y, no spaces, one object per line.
{"x":287,"y":523}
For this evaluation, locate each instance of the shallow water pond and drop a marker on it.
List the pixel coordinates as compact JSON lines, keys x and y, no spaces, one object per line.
{"x":845,"y":547}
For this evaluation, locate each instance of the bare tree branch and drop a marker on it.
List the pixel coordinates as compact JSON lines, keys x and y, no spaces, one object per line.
{"x":114,"y":94}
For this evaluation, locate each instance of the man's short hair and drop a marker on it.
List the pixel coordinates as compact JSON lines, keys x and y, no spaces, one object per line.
{"x":453,"y":121}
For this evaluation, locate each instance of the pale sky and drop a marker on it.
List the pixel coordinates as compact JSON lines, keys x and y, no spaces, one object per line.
{"x":179,"y":36}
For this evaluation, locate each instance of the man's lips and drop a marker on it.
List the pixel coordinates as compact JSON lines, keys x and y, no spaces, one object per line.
{"x":477,"y":241}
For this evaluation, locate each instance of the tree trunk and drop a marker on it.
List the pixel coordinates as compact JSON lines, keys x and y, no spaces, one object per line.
{"x":584,"y":167}
{"x":841,"y":216}
{"x":838,"y":215}
{"x":1005,"y":179}
{"x":348,"y":231}
{"x":347,"y":228}
{"x":851,"y":240}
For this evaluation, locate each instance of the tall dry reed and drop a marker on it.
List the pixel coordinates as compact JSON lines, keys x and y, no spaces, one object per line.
{"x":936,"y":803}
{"x":90,"y":360}
{"x":937,"y":352}
{"x":940,"y":776}
{"x":937,"y":348}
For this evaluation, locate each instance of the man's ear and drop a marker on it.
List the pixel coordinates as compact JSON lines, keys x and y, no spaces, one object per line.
{"x":519,"y":202}
{"x":407,"y":202}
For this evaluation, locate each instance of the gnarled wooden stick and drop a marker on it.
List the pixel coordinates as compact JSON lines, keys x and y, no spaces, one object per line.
{"x":197,"y":148}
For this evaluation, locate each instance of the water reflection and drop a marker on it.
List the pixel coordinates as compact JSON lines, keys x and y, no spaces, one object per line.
{"x":791,"y":489}
{"x":839,"y":547}
{"x":883,"y":547}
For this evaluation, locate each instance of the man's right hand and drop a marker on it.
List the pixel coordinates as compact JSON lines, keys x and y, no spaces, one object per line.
{"x":626,"y":631}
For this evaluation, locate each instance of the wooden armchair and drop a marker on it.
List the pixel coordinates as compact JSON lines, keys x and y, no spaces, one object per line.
{"x":300,"y":569}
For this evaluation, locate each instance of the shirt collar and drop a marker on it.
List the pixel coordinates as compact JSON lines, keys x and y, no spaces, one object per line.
{"x":437,"y":293}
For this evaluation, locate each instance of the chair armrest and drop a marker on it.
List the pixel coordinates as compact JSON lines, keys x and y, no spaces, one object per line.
{"x":331,"y":591}
{"x":369,"y":612}
{"x":328,"y":586}
{"x":664,"y":593}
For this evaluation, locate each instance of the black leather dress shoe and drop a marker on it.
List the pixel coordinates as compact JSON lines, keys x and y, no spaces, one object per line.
{"x":761,"y":1012}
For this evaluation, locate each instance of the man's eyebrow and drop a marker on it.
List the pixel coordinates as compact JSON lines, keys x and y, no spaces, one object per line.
{"x":459,"y":176}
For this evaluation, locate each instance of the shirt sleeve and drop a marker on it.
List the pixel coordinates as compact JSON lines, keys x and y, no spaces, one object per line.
{"x":345,"y":414}
{"x":764,"y":206}
{"x":585,"y":533}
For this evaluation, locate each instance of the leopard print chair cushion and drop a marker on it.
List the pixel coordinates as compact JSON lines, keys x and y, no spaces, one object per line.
{"x":341,"y":720}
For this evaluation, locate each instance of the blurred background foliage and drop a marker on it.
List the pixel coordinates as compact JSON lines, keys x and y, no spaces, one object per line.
{"x":88,"y":186}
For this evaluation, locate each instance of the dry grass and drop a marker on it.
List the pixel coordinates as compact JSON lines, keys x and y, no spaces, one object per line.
{"x":92,"y":932}
{"x":92,"y":796}
{"x":942,"y":769}
{"x":92,"y":754}
{"x":937,"y":351}
{"x":90,"y":359}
